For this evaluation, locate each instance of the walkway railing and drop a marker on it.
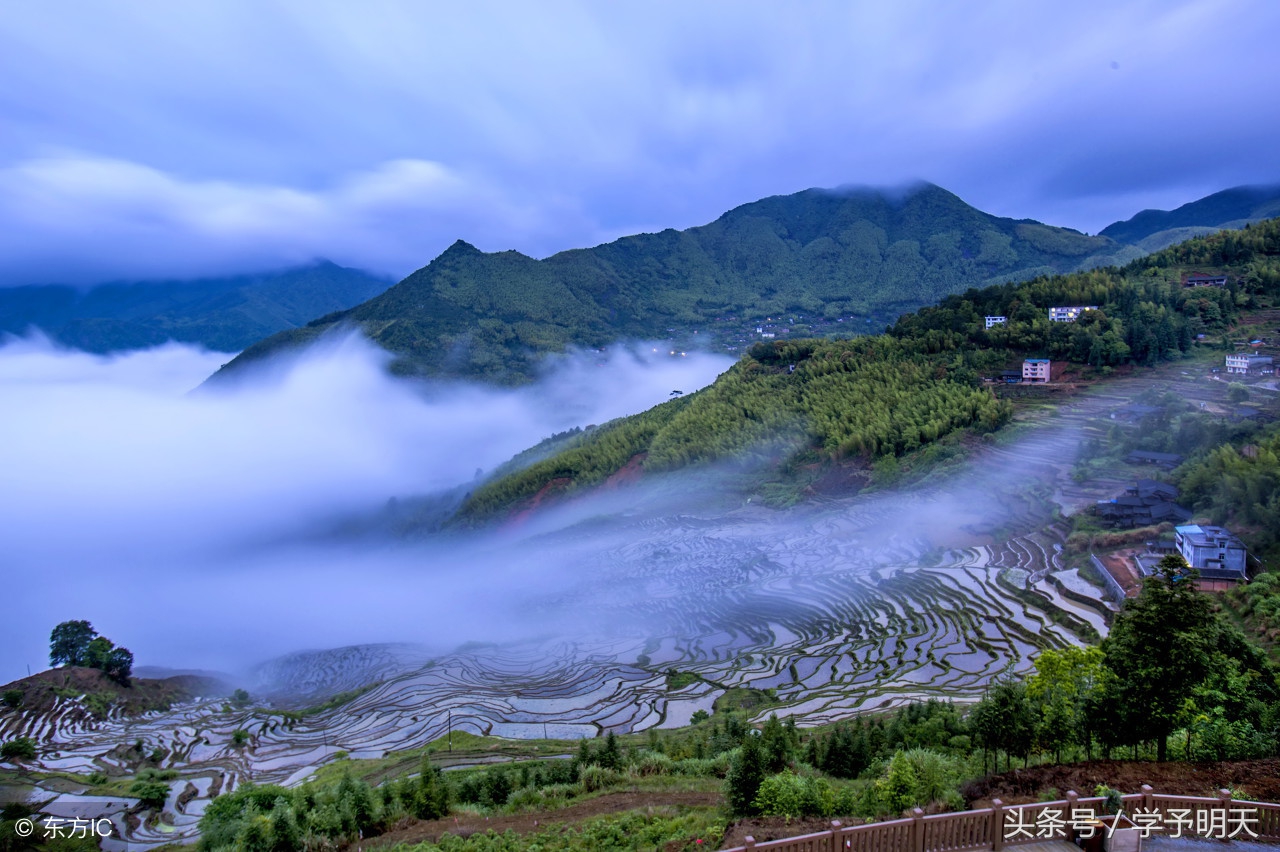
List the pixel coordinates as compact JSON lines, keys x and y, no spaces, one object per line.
{"x":1007,"y":826}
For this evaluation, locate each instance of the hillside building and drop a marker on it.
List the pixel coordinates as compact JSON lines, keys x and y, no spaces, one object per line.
{"x":1148,"y":502}
{"x":1168,"y":461}
{"x":1069,"y":314}
{"x":1204,"y":281}
{"x":1035,"y":370}
{"x":1214,"y":551}
{"x":996,"y":321}
{"x":1247,"y":363}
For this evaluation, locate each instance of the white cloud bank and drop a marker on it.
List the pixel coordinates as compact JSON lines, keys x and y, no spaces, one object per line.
{"x":394,"y":218}
{"x":173,"y":521}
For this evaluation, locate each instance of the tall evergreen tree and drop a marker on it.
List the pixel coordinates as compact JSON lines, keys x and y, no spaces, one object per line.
{"x":1160,"y":649}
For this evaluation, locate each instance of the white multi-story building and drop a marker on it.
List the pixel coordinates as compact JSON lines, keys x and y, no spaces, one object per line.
{"x":996,"y":321}
{"x":1070,"y":313}
{"x":1244,"y":363}
{"x":1035,"y":370}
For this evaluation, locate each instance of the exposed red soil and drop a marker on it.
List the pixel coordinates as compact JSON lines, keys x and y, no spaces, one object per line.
{"x":628,"y":474}
{"x":465,"y":825}
{"x":1120,"y":566}
{"x":1258,"y":779}
{"x":546,"y":494}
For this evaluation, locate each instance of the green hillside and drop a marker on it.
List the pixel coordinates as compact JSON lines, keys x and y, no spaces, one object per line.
{"x":874,"y":399}
{"x":826,"y":261}
{"x":225,"y":314}
{"x":1156,"y":229}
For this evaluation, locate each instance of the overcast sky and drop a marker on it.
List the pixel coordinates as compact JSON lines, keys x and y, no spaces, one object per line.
{"x":146,"y":139}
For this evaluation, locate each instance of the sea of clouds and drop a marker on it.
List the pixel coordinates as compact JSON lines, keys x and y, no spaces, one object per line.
{"x":185,"y":522}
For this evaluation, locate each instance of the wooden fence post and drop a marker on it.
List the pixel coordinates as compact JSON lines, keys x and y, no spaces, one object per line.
{"x":1224,"y":798}
{"x":1146,"y":797}
{"x":997,"y":825}
{"x":835,"y":835}
{"x":1072,"y":798}
{"x":748,"y":842}
{"x":917,"y":830}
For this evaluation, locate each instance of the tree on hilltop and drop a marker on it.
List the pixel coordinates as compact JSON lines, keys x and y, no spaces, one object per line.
{"x":76,"y":643}
{"x":69,"y":643}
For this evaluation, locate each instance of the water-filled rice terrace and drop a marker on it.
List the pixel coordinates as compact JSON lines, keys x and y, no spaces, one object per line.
{"x":838,"y":607}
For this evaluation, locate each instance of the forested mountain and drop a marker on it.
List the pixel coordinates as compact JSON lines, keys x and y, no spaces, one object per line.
{"x":226,"y":314}
{"x":1153,"y":230}
{"x":818,"y":255}
{"x":879,"y":397}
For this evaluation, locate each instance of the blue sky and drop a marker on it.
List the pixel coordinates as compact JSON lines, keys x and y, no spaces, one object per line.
{"x":148,"y":139}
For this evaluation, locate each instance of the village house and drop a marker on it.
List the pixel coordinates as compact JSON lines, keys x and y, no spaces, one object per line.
{"x":1198,"y":280}
{"x":996,"y":321}
{"x":1148,"y":502}
{"x":1214,"y":551}
{"x":1035,"y":370}
{"x":1069,"y":314}
{"x":1166,"y":460}
{"x":1247,"y":363}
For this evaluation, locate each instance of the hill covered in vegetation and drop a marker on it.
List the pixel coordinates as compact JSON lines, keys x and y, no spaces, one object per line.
{"x":874,"y":399}
{"x":817,"y":256}
{"x":224,"y":314}
{"x":1232,"y":208}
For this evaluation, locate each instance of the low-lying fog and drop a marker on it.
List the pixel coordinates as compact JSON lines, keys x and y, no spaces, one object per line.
{"x":182,"y":525}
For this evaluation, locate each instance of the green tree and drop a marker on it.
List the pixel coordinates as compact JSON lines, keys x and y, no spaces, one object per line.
{"x":69,"y":643}
{"x":286,"y":835}
{"x":1237,"y":392}
{"x":118,"y":665}
{"x":1159,"y":649}
{"x":431,"y":794}
{"x":746,"y":773}
{"x":898,"y":789}
{"x":1059,"y":691}
{"x":1004,"y":720}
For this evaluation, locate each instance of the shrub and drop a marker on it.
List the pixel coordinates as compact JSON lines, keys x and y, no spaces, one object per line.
{"x":22,"y":748}
{"x":594,"y":778}
{"x":150,"y":793}
{"x":652,"y":763}
{"x":13,"y":698}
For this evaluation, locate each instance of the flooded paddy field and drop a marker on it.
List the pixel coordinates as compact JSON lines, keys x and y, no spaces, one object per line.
{"x":837,"y":607}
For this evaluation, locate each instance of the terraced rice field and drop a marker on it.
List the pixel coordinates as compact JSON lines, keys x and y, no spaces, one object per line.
{"x":839,"y":607}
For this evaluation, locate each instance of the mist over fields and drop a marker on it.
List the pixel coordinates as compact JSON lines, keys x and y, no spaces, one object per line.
{"x":187,"y":526}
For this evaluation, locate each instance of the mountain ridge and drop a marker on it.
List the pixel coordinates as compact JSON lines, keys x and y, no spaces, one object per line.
{"x":819,"y":255}
{"x":1232,"y":207}
{"x":220,"y":313}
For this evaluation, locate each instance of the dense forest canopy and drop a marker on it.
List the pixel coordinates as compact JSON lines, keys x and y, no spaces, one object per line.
{"x":889,"y":395}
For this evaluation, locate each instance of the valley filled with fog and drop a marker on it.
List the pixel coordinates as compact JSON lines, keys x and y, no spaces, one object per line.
{"x":214,"y":530}
{"x":186,"y":523}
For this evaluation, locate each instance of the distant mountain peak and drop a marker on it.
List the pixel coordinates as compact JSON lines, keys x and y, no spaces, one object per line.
{"x":1227,"y":208}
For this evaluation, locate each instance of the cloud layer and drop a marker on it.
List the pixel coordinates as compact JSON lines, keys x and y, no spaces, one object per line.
{"x":179,"y":523}
{"x":144,"y":141}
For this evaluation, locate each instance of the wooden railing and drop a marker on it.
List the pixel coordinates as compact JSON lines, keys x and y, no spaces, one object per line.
{"x":1002,"y":827}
